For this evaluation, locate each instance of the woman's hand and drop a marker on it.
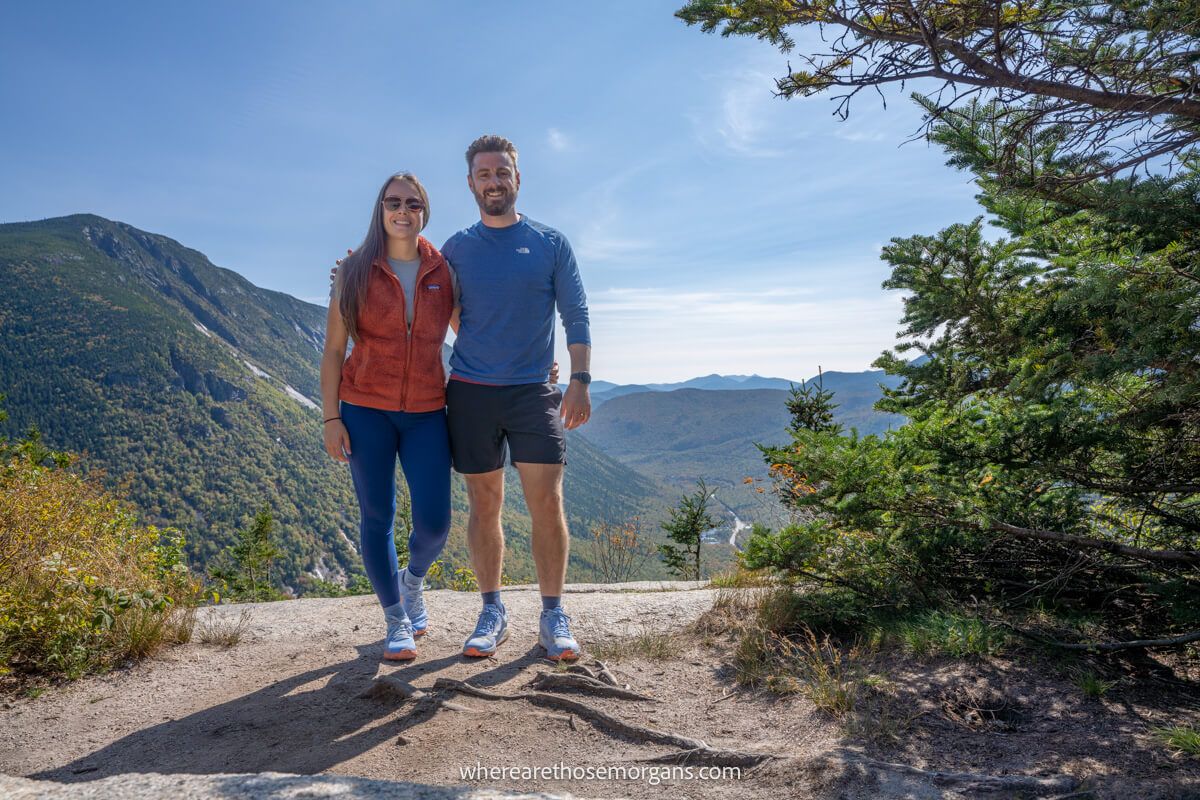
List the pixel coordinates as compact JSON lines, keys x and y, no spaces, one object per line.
{"x":554,"y":372}
{"x":337,"y":440}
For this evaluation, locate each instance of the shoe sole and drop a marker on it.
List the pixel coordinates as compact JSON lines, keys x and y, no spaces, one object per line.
{"x":565,"y":655}
{"x":400,"y":655}
{"x":475,"y":652}
{"x":418,"y":634}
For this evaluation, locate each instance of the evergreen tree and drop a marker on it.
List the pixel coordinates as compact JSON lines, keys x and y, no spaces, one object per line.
{"x":1052,"y":455}
{"x":688,"y":522}
{"x":244,"y":568}
{"x":811,"y":406}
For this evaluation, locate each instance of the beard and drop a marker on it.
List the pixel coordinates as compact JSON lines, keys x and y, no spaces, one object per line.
{"x":496,"y":206}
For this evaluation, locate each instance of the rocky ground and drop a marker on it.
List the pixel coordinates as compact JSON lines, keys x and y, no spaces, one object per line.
{"x":304,"y":692}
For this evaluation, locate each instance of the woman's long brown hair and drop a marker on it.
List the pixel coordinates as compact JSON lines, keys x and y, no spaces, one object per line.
{"x":355,"y":271}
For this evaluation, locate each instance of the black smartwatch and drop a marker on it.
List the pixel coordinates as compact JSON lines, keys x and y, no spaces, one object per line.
{"x":583,"y":377}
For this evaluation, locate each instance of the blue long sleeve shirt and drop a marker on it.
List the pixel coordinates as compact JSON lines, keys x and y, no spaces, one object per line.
{"x":510,"y":280}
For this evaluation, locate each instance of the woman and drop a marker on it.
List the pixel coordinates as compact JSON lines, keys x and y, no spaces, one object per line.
{"x":394,"y":296}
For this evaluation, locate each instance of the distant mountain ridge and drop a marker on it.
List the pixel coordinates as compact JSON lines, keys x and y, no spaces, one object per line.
{"x":603,"y":391}
{"x":197,"y":392}
{"x":682,"y":435}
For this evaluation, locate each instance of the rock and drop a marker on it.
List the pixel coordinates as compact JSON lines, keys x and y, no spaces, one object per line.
{"x":262,"y":786}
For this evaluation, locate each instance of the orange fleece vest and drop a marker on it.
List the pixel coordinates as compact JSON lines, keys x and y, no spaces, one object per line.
{"x":391,"y":368}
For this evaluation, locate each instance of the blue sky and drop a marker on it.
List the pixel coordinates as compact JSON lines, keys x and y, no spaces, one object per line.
{"x":718,"y":229}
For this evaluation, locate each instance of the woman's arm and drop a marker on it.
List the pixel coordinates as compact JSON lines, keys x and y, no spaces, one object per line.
{"x":337,"y":441}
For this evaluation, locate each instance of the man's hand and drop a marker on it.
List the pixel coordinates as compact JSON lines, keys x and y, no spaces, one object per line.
{"x":576,"y":406}
{"x":337,"y":440}
{"x":333,"y":271}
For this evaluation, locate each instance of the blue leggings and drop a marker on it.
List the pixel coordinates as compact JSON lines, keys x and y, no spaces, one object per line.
{"x":423,"y":445}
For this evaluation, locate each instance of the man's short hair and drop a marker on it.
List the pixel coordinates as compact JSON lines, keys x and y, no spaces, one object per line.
{"x":490,"y":143}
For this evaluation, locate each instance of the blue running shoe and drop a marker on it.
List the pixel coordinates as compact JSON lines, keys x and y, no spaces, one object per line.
{"x":399,"y":644}
{"x":490,"y":632}
{"x":554,"y":634}
{"x":414,"y":604}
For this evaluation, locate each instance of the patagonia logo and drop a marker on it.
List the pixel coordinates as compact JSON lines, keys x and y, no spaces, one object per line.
{"x":523,"y":250}
{"x":433,"y":287}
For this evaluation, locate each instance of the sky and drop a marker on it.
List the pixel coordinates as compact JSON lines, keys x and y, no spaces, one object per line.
{"x":718,"y":228}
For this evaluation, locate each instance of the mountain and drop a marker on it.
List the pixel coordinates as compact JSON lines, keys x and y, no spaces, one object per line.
{"x":847,"y":382}
{"x":193,"y":391}
{"x":599,"y":398}
{"x":718,"y":382}
{"x":683,"y":435}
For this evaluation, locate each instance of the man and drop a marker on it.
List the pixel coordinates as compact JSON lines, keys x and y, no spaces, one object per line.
{"x":511,"y":273}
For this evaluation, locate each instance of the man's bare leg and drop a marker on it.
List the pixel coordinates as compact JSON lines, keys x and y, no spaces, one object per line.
{"x":542,"y":484}
{"x":485,"y":538}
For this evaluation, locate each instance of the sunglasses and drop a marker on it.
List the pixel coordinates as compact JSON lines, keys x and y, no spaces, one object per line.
{"x":395,"y":204}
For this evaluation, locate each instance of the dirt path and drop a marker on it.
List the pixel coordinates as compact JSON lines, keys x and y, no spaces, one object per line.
{"x":287,"y":698}
{"x":295,"y":696}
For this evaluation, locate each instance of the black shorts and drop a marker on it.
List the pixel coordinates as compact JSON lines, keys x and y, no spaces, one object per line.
{"x":484,"y":420}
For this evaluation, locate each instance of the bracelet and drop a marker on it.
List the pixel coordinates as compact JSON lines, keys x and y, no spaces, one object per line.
{"x":331,"y":419}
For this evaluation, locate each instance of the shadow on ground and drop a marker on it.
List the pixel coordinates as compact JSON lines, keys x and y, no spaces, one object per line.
{"x":306,"y":724}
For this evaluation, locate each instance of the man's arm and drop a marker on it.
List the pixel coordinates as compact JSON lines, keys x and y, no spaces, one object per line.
{"x":577,"y":402}
{"x":572,"y":306}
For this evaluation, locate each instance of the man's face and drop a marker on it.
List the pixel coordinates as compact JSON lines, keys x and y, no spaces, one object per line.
{"x":494,"y":181}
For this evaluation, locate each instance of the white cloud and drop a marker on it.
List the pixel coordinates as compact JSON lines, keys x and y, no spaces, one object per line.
{"x":747,"y":119}
{"x":862,"y":136}
{"x":600,"y":229}
{"x":595,"y":246}
{"x":557,"y":140}
{"x":660,"y":334}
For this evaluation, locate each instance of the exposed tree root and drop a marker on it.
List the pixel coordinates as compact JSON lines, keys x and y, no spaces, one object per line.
{"x":555,"y":681}
{"x":712,"y":758}
{"x":696,"y":751}
{"x":388,"y":688}
{"x":599,"y":672}
{"x":603,"y":674}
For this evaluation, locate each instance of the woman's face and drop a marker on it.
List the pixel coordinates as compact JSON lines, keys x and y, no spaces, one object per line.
{"x":403,"y":210}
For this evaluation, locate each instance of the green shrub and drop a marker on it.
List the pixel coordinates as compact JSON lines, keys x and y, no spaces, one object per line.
{"x":938,"y":633}
{"x":1182,"y":740}
{"x":83,"y":585}
{"x":1092,"y":685}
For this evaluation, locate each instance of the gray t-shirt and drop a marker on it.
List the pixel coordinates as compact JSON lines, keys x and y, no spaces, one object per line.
{"x":406,"y":272}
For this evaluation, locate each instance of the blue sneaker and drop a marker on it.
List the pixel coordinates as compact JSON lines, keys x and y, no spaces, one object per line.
{"x":399,"y":644}
{"x":490,"y":632}
{"x":554,"y":634}
{"x":414,"y":604}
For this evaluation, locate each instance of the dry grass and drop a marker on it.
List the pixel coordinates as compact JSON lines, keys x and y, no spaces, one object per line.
{"x":144,"y":633}
{"x":733,"y":611}
{"x":742,"y":578}
{"x":220,"y":630}
{"x":817,"y":667}
{"x":647,"y":643}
